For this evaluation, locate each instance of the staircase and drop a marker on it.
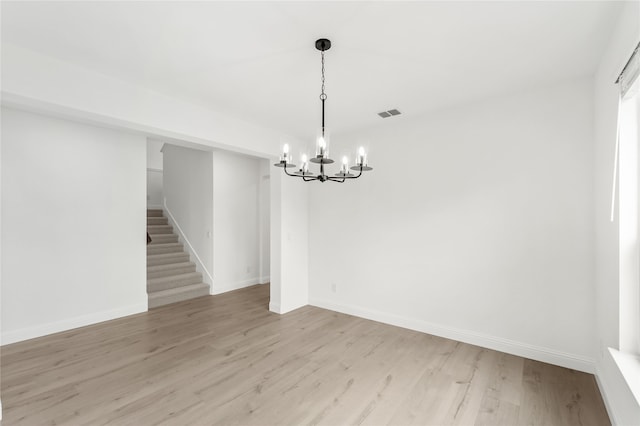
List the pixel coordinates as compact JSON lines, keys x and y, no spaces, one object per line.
{"x":171,"y":277}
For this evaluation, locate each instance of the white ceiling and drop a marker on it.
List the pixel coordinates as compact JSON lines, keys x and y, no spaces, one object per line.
{"x":257,"y":61}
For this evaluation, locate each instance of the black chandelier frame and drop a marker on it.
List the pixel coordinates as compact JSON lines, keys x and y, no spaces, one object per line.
{"x":323,"y":45}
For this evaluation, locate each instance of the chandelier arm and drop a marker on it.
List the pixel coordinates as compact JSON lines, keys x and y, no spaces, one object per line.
{"x":305,"y":178}
{"x":356,"y":176}
{"x":289,"y":174}
{"x":335,"y":179}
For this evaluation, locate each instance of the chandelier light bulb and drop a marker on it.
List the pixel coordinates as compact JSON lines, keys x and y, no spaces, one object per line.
{"x":361,"y":156}
{"x":322,"y":145}
{"x":284,"y":159}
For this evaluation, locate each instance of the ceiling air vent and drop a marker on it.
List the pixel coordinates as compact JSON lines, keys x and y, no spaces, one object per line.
{"x":391,"y":112}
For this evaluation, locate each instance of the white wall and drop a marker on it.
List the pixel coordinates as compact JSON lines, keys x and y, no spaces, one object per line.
{"x":475,"y":224}
{"x":71,"y":90}
{"x":154,"y":154}
{"x":73,"y":225}
{"x":622,"y":406}
{"x":155,"y":197}
{"x":289,"y":220}
{"x":68,"y":90}
{"x":218,"y":201}
{"x":236,"y":221}
{"x":188,"y":192}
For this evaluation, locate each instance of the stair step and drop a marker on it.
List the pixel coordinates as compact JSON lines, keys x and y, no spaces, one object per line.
{"x":159,"y":271}
{"x":154,"y":213}
{"x":165,"y":259}
{"x":159,"y":229}
{"x":156,"y":268}
{"x":163,"y":238}
{"x":165,"y":283}
{"x":157,"y":220}
{"x":165,"y":297}
{"x":164,"y":248}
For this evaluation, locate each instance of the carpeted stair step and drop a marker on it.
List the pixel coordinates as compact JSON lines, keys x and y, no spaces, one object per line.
{"x":164,"y":259}
{"x":159,"y":271}
{"x":164,"y":248}
{"x":163,"y":238}
{"x":159,"y":229}
{"x":178,"y":294}
{"x":157,"y":221}
{"x":154,"y":213}
{"x":165,"y":283}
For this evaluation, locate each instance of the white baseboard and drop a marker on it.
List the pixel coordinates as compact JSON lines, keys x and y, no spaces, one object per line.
{"x":264,"y":280}
{"x":525,"y":350}
{"x":274,"y":307}
{"x":605,"y":391}
{"x":154,"y":206}
{"x":70,"y":323}
{"x":225,"y":287}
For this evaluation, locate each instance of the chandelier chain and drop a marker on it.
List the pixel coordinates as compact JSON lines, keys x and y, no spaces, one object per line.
{"x":323,"y":95}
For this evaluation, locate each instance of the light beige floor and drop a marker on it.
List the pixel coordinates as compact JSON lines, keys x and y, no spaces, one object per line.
{"x":227,"y":360}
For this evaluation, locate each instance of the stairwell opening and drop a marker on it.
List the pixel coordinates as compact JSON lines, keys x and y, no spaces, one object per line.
{"x":211,"y":232}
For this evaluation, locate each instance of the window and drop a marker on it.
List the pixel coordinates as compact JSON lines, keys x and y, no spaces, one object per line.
{"x":628,"y":159}
{"x":629,"y":211}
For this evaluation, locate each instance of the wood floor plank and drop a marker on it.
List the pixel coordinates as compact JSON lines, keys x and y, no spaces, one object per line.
{"x":227,"y":360}
{"x":408,"y":365}
{"x":501,"y":399}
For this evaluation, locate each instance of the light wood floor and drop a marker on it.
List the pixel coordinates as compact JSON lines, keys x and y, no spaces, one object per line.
{"x":227,"y":360}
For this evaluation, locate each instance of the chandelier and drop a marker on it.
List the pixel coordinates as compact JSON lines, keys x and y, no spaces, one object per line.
{"x":322,"y":149}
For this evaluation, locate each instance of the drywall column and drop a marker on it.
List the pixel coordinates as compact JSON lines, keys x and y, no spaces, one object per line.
{"x":73,"y":225}
{"x":188,"y":193}
{"x":289,"y":243}
{"x":275,"y":183}
{"x":264,"y":220}
{"x":621,"y":404}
